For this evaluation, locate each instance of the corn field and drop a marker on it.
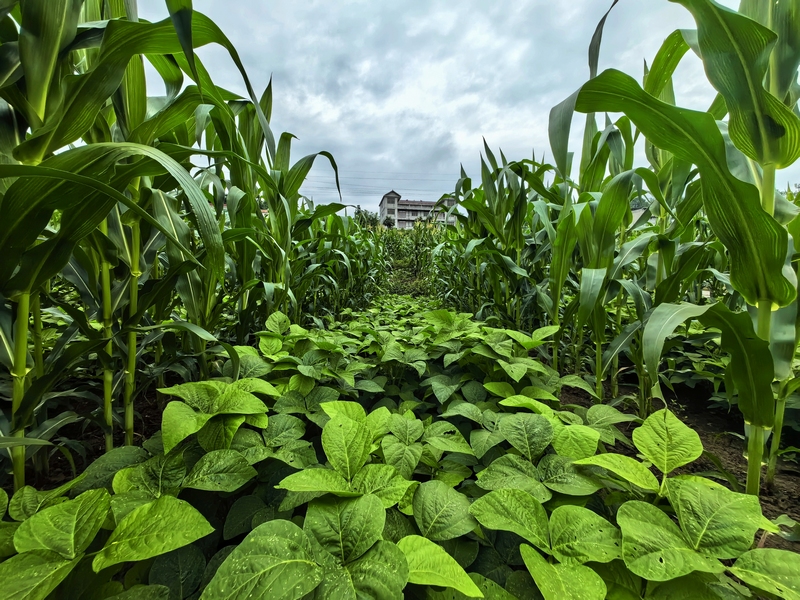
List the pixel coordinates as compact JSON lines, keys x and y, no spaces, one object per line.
{"x":485,"y":409}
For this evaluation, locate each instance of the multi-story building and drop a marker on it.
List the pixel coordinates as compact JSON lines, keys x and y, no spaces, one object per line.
{"x":405,"y":212}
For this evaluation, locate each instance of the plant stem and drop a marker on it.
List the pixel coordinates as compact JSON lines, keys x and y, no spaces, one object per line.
{"x":556,"y":344}
{"x":755,"y":451}
{"x":108,"y":374}
{"x":19,"y":374}
{"x":38,"y":357}
{"x":768,"y":189}
{"x":598,"y":367}
{"x":755,"y":442}
{"x":130,"y":372}
{"x":780,"y":409}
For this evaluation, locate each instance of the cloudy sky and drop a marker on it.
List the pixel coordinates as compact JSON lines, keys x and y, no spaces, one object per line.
{"x":403,"y":93}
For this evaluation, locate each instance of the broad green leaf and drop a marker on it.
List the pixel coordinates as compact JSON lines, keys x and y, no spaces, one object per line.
{"x":441,"y":512}
{"x":563,"y":248}
{"x":562,"y":582}
{"x":274,"y":561}
{"x":3,"y":503}
{"x":282,"y":429}
{"x":33,"y":575}
{"x":157,"y":476}
{"x":463,"y":409}
{"x":520,"y":401}
{"x":530,"y":434}
{"x":378,"y":422}
{"x":66,"y":528}
{"x":499,"y":388}
{"x":513,"y":472}
{"x":407,"y":431}
{"x":101,"y":472}
{"x":381,"y":573}
{"x":220,"y":471}
{"x":578,"y":536}
{"x":200,"y":395}
{"x":144,"y":592}
{"x":625,"y":467}
{"x":317,"y":480}
{"x":383,"y":481}
{"x":180,"y":570}
{"x":560,"y":475}
{"x":401,"y":456}
{"x":351,"y":410}
{"x":654,"y":548}
{"x":240,"y":516}
{"x":7,"y":531}
{"x":717,"y":521}
{"x":751,"y":363}
{"x":575,"y":441}
{"x":661,"y":324}
{"x":591,"y":286}
{"x":346,"y":527}
{"x":667,"y":442}
{"x":278,"y":323}
{"x":446,"y":437}
{"x":347,"y":444}
{"x":152,"y":529}
{"x":603,"y":415}
{"x":736,"y":52}
{"x":429,"y":564}
{"x":732,"y":206}
{"x":515,"y":511}
{"x":482,"y":441}
{"x":774,"y":571}
{"x":179,"y":421}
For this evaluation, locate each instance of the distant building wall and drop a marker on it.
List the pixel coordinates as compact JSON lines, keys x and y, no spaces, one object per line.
{"x":405,"y":212}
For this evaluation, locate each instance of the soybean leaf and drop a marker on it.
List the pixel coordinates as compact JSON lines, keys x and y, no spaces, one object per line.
{"x":774,"y":571}
{"x":578,"y":536}
{"x":33,"y":575}
{"x":274,"y":561}
{"x":515,"y":511}
{"x":667,"y":442}
{"x":180,"y":571}
{"x":383,"y":481}
{"x":381,"y":573}
{"x":514,"y":472}
{"x":717,"y":521}
{"x":654,"y":548}
{"x":346,"y":527}
{"x":560,"y":475}
{"x":625,"y":467}
{"x":347,"y":444}
{"x":317,"y":480}
{"x":66,"y":528}
{"x":220,"y":471}
{"x":562,"y":582}
{"x":152,"y":529}
{"x":403,"y":457}
{"x":530,"y":434}
{"x":429,"y":564}
{"x":441,"y":512}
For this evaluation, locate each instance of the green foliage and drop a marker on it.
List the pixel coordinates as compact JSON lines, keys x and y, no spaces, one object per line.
{"x":322,"y":439}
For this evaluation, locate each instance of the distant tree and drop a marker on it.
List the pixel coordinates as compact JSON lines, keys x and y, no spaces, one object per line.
{"x":366,"y":218}
{"x":388,"y":222}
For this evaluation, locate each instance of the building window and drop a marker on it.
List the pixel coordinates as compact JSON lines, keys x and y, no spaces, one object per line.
{"x":390,"y":211}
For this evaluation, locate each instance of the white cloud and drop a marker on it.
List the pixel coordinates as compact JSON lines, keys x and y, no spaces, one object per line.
{"x":403,"y":93}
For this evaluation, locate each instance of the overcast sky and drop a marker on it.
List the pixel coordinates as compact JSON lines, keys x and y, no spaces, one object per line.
{"x":402,"y":93}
